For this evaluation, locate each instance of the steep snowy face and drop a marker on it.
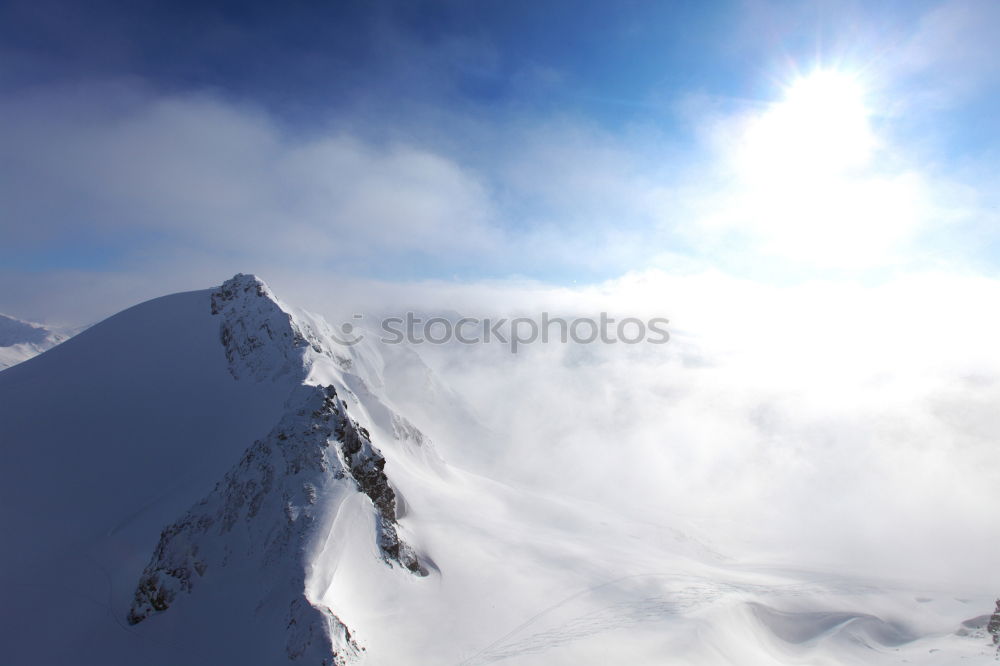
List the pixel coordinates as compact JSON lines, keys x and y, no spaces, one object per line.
{"x":272,"y":512}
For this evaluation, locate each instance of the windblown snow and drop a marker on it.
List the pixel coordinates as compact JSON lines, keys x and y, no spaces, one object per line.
{"x":21,"y":340}
{"x":208,"y":478}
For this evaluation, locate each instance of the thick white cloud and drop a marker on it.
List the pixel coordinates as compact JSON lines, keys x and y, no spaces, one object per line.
{"x":831,"y":424}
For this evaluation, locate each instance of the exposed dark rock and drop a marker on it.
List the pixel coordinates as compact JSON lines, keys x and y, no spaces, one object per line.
{"x":314,"y":445}
{"x":993,"y":627}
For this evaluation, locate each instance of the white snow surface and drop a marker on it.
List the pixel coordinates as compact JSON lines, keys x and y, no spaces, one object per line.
{"x":21,"y":340}
{"x":221,"y":447}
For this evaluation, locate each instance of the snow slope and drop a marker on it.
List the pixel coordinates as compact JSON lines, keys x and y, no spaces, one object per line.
{"x":20,"y":340}
{"x":208,"y":478}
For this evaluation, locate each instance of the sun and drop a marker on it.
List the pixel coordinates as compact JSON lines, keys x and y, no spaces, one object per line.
{"x":820,"y":127}
{"x":808,"y":179}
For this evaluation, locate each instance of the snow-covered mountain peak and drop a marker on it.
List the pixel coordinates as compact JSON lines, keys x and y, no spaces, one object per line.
{"x":261,"y":338}
{"x":244,"y":283}
{"x":265,"y":338}
{"x":270,"y":514}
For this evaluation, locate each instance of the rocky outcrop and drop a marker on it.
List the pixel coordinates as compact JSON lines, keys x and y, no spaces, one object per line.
{"x":367,"y":468}
{"x":261,"y":339}
{"x":265,"y":511}
{"x":993,"y":626}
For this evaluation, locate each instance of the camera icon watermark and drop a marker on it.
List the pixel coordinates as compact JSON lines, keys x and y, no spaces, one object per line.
{"x":515,"y":332}
{"x":347,"y":334}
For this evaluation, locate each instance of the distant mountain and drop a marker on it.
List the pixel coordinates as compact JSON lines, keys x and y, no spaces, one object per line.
{"x":210,"y":478}
{"x":20,"y":340}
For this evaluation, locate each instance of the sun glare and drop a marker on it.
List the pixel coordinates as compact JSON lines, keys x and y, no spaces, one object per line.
{"x":821,"y":126}
{"x":808,"y":182}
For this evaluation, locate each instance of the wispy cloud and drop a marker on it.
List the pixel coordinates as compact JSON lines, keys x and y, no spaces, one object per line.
{"x":207,"y":172}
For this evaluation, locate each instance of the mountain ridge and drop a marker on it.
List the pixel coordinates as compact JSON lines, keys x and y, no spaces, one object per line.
{"x":278,"y":488}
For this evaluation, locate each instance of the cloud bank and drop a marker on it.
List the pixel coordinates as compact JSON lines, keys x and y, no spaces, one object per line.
{"x":822,"y":425}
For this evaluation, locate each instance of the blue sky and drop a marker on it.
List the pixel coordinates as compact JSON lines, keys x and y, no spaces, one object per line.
{"x":164,"y":145}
